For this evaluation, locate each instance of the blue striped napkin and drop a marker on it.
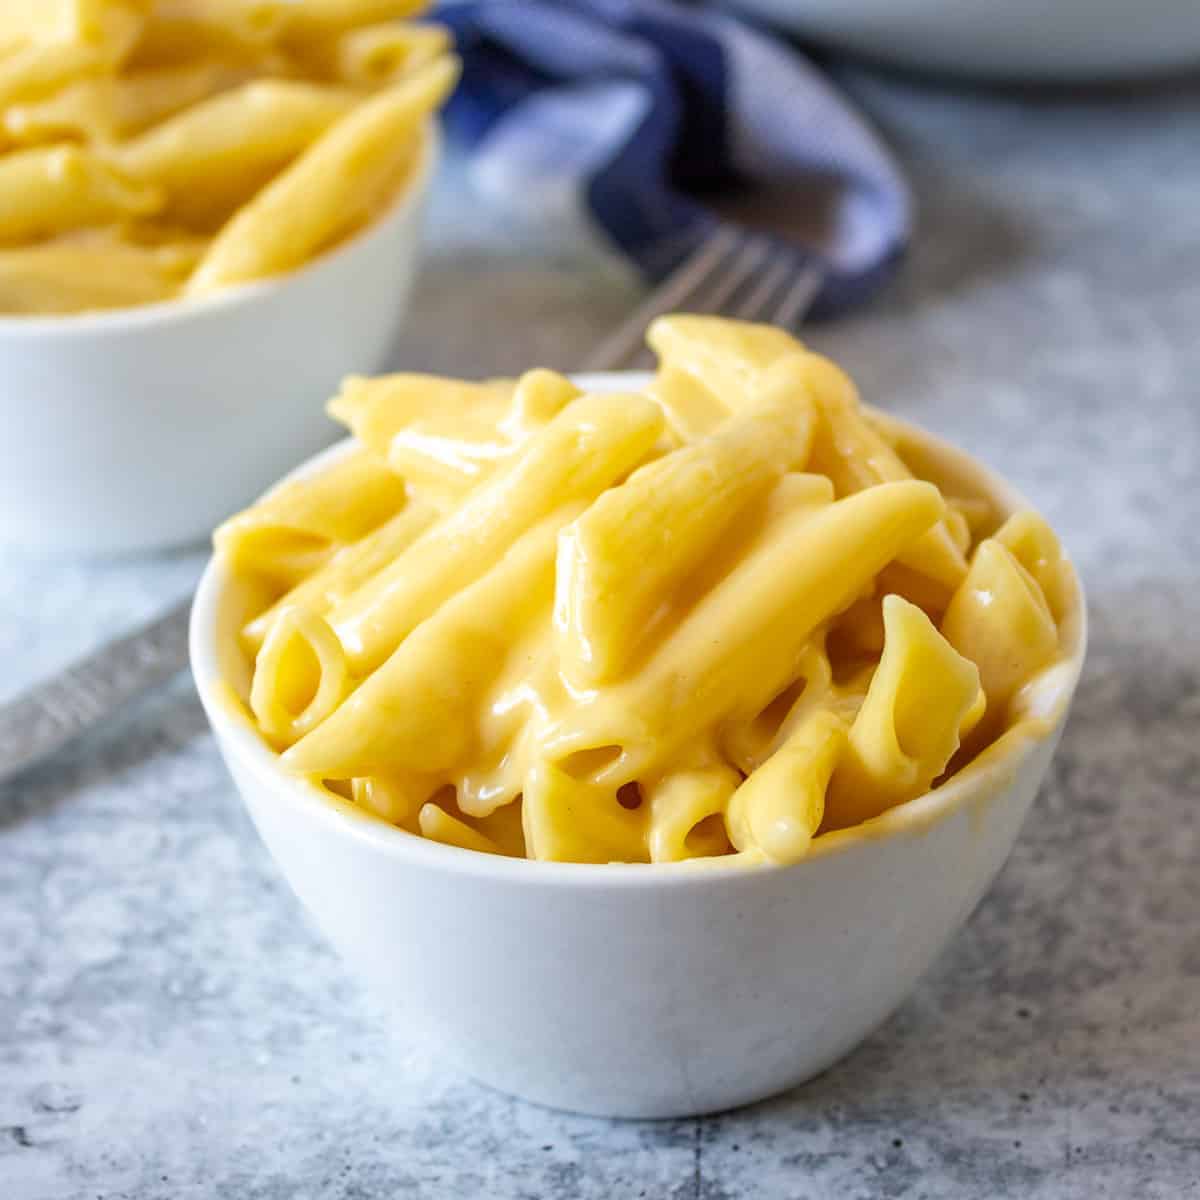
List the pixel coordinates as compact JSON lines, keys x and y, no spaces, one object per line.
{"x":633,"y":118}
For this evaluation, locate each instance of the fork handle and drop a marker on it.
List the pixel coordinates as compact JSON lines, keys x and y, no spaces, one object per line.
{"x":51,"y":714}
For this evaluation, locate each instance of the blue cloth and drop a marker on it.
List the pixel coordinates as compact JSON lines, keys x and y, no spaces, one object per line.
{"x":632,"y":116}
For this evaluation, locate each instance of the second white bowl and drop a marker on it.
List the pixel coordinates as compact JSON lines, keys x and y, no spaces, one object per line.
{"x":144,"y":427}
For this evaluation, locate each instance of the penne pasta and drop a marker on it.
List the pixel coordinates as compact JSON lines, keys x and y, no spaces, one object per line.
{"x":692,"y":409}
{"x":1033,"y":544}
{"x":415,"y":711}
{"x":569,"y":821}
{"x":375,"y":55}
{"x":296,"y":528}
{"x":854,"y":456}
{"x":638,"y":542}
{"x":330,"y":189}
{"x":319,"y":19}
{"x":348,"y":569}
{"x":740,"y":644}
{"x":103,"y":109}
{"x":111,"y":26}
{"x":196,"y":112}
{"x":33,"y":70}
{"x":728,"y":359}
{"x":179,"y":31}
{"x":1000,"y":620}
{"x":749,"y":741}
{"x":923,"y":699}
{"x":396,"y":799}
{"x":439,"y":826}
{"x":779,"y":808}
{"x":591,"y":443}
{"x":712,"y":620}
{"x":686,"y":817}
{"x":49,"y":191}
{"x":85,"y":274}
{"x":443,"y":435}
{"x":215,"y":155}
{"x":300,"y":676}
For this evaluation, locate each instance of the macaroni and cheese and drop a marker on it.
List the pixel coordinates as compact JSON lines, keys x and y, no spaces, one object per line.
{"x":721,"y":615}
{"x":151,"y":149}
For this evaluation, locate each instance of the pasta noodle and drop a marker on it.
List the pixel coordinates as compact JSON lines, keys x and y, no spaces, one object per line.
{"x":922,"y":698}
{"x":109,"y":25}
{"x":333,"y":187}
{"x":103,"y":110}
{"x":271,"y":129}
{"x":66,"y":188}
{"x":375,"y":55}
{"x":716,"y":618}
{"x":95,"y":271}
{"x":212,"y":157}
{"x":315,"y":19}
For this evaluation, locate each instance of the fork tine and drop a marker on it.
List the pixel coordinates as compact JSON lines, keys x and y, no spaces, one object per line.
{"x":759,"y":302}
{"x":798,"y":299}
{"x":627,"y":339}
{"x":709,"y":280}
{"x":749,"y":257}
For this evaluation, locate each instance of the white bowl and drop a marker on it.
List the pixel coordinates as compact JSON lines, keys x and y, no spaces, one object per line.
{"x":1050,"y":41}
{"x":633,"y":990}
{"x":144,"y":427}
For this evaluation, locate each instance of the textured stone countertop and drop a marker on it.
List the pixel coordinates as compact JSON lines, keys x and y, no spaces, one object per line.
{"x":169,"y":1026}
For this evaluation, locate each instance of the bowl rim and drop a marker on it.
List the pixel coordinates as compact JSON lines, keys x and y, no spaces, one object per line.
{"x":137,"y":317}
{"x":237,"y":738}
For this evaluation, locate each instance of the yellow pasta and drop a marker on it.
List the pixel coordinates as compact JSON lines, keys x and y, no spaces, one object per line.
{"x":641,"y":540}
{"x":316,"y":19}
{"x":780,"y":806}
{"x":1000,"y":620}
{"x":396,"y":799}
{"x":739,"y":645}
{"x":284,"y":126}
{"x":110,"y":25}
{"x":586,"y":448}
{"x":181,"y":30}
{"x":215,"y":155}
{"x":924,"y":697}
{"x":375,"y":55}
{"x":439,"y":826}
{"x":686,"y":812}
{"x":49,"y":191}
{"x":91,"y":272}
{"x":33,"y":70}
{"x":691,"y":622}
{"x":413,"y":713}
{"x":296,"y":527}
{"x":331,"y":189}
{"x":300,"y":676}
{"x":854,"y":456}
{"x":727,"y":360}
{"x":569,"y":821}
{"x":1033,"y":544}
{"x":348,"y":569}
{"x":448,"y":435}
{"x":101,"y":109}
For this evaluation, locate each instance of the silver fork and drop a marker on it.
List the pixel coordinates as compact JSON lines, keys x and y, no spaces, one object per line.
{"x":747,"y":275}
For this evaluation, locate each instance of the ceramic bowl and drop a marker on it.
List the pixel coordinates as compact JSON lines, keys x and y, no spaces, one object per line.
{"x":142,"y":428}
{"x":636,"y":990}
